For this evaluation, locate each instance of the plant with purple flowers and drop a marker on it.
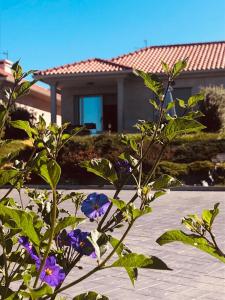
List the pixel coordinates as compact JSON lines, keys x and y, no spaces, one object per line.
{"x":95,"y":205}
{"x":123,"y":167}
{"x":24,"y":241}
{"x":53,"y":243}
{"x":51,"y":273}
{"x":80,"y":242}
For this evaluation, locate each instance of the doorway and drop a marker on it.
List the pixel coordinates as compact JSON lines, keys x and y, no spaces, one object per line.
{"x":91,"y":112}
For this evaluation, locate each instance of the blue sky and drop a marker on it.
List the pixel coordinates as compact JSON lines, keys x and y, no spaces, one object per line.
{"x":46,"y":33}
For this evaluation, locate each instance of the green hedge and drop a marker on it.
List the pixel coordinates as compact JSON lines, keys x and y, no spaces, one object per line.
{"x":188,"y":158}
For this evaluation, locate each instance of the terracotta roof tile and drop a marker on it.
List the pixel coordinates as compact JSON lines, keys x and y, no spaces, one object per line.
{"x":87,"y":66}
{"x":201,"y":57}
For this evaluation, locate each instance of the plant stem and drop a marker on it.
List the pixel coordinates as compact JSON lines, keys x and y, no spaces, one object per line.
{"x":142,"y":158}
{"x":51,"y":235}
{"x":7,"y":281}
{"x":215,"y":243}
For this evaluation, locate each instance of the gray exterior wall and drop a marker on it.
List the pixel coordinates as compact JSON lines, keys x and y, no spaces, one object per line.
{"x":137,"y":107}
{"x":70,"y":100}
{"x":136,"y":96}
{"x":136,"y":103}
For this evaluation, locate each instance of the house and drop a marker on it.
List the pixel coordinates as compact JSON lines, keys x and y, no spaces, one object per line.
{"x":107,"y":93}
{"x":38,"y":99}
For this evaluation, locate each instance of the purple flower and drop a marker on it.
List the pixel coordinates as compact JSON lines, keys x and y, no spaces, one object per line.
{"x":95,"y":205}
{"x":63,"y":239}
{"x":52,"y":274}
{"x":123,"y":167}
{"x":24,"y":241}
{"x":80,"y":242}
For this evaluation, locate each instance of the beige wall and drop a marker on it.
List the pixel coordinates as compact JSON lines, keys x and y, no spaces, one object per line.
{"x":39,"y":107}
{"x":36,"y":102}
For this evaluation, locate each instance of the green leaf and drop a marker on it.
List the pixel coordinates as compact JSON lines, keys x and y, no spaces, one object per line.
{"x":182,"y":126}
{"x":23,"y":89}
{"x":137,"y":213}
{"x":23,"y":221}
{"x":121,"y":251}
{"x":193,"y":100}
{"x":152,"y":82}
{"x":129,"y":158}
{"x":165,"y":182}
{"x":154,"y":104}
{"x":27,"y":278}
{"x":68,"y":221}
{"x":90,"y":296}
{"x":50,"y":171}
{"x":101,"y":167}
{"x":178,"y":68}
{"x":7,"y":175}
{"x":208,"y":216}
{"x":17,"y":70}
{"x":145,"y":127}
{"x":170,"y":105}
{"x":181,"y":103}
{"x":13,"y":296}
{"x":127,"y":140}
{"x":44,"y":290}
{"x":11,"y":148}
{"x":192,"y":240}
{"x":3,"y":115}
{"x":165,"y":67}
{"x":25,"y":126}
{"x":120,"y":204}
{"x":194,"y":115}
{"x":134,"y":260}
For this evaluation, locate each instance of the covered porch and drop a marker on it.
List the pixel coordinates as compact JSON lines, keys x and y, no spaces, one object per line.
{"x":95,"y":99}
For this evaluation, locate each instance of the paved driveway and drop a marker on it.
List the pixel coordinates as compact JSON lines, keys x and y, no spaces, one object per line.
{"x":195,"y":275}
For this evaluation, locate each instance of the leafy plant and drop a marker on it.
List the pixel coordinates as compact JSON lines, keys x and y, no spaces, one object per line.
{"x":201,"y":236}
{"x":41,"y":242}
{"x":213,"y":108}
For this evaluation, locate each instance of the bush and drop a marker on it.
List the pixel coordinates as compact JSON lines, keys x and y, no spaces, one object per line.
{"x":18,"y":113}
{"x":213,"y":107}
{"x":187,"y":158}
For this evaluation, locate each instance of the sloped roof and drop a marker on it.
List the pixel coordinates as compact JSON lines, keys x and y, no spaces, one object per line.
{"x":201,"y":57}
{"x":87,"y":66}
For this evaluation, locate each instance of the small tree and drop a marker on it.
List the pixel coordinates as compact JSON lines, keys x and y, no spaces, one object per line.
{"x":213,"y":108}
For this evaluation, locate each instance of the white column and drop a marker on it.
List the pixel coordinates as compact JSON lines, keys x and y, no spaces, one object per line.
{"x":53,"y":104}
{"x":120,"y":104}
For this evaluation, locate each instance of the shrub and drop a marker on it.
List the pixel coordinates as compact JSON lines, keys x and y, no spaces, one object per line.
{"x":18,"y":113}
{"x":213,"y":107}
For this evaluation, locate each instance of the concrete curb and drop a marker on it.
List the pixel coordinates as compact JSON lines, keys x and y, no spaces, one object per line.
{"x":126,"y":187}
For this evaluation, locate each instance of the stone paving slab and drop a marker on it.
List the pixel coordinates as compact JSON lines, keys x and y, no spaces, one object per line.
{"x":195,"y":274}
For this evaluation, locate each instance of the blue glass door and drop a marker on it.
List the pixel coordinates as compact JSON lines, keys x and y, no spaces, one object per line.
{"x":91,"y":111}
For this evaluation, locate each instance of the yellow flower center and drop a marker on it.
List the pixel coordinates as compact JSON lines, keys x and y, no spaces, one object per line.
{"x":96,"y":206}
{"x":48,"y":271}
{"x":82,"y":244}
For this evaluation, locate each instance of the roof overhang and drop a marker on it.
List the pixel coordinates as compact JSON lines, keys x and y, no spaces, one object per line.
{"x":44,"y":78}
